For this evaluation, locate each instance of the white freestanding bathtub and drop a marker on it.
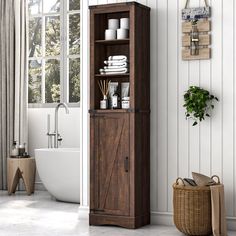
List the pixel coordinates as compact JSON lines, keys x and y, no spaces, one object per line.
{"x":59,"y":170}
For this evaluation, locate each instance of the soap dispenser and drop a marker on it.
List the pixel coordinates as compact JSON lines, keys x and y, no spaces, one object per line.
{"x":14,"y":150}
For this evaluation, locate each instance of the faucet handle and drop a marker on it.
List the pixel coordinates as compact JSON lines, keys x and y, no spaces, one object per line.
{"x":59,"y":139}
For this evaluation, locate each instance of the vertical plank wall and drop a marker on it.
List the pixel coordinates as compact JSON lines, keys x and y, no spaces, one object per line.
{"x":177,"y":148}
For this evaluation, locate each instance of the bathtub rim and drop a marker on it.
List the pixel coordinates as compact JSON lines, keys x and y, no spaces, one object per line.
{"x":57,"y":150}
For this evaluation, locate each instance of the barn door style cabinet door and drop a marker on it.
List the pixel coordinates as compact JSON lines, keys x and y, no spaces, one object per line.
{"x":120,"y":138}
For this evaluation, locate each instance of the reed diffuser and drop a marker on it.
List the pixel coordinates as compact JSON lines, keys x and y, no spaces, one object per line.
{"x":104,"y":87}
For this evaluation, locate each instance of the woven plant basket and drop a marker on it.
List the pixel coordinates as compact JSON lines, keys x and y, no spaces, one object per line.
{"x":192,"y":209}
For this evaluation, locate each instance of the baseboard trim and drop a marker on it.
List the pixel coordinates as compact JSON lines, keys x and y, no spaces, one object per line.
{"x":231,"y":223}
{"x":39,"y":186}
{"x":166,"y":218}
{"x":83,"y":213}
{"x":162,"y":218}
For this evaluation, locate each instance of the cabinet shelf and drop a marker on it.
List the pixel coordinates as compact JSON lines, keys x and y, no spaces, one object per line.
{"x":112,"y":42}
{"x":112,"y":75}
{"x":110,"y":111}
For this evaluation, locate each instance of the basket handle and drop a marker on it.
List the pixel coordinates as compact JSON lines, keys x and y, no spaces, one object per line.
{"x":216,"y":176}
{"x":181,"y":180}
{"x":187,"y":2}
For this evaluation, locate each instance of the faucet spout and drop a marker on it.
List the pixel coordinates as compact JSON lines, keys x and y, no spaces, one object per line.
{"x":56,"y":122}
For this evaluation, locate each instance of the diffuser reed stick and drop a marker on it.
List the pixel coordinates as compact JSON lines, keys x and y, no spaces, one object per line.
{"x":104,"y":87}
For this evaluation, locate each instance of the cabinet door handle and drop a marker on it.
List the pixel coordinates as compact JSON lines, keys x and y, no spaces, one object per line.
{"x":126,"y":164}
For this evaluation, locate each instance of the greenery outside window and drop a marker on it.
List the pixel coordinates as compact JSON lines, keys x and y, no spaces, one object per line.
{"x":54,"y":52}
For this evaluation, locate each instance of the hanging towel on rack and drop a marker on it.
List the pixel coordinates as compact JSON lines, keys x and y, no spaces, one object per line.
{"x":218,"y":210}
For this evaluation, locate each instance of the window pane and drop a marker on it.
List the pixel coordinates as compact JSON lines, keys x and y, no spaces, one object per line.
{"x":35,"y":37}
{"x":35,"y":7}
{"x":74,"y":80}
{"x":52,"y":35}
{"x":74,"y":34}
{"x":74,"y":5}
{"x":52,"y":81}
{"x":51,"y":6}
{"x":35,"y":76}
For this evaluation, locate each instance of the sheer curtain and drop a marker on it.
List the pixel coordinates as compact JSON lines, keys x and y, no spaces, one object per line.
{"x":13,"y":79}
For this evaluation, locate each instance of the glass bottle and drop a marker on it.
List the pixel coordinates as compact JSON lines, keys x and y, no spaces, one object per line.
{"x":21,"y":149}
{"x":15,"y":149}
{"x":115,"y":101}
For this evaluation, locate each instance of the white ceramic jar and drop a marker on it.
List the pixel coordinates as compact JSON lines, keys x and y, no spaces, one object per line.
{"x":125,"y":103}
{"x":124,"y":23}
{"x":110,"y":34}
{"x":113,"y":24}
{"x":122,"y":33}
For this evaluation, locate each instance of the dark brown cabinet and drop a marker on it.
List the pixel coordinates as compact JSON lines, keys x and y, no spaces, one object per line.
{"x":120,"y":139}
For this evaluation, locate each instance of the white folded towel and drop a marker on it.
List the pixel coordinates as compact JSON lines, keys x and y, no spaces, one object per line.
{"x":115,"y":67}
{"x":115,"y":63}
{"x":119,"y":58}
{"x":113,"y":71}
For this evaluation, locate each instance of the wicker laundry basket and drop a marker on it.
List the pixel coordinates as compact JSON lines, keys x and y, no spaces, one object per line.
{"x":192,"y":209}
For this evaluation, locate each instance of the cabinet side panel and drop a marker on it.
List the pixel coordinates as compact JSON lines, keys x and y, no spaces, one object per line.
{"x":92,"y":52}
{"x":92,"y":169}
{"x":142,"y":164}
{"x":142,"y":58}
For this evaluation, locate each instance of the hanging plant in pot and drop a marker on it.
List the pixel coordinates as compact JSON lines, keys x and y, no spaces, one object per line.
{"x":198,"y":103}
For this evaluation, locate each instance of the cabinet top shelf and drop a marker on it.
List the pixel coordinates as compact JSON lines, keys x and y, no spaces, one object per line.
{"x":112,"y":42}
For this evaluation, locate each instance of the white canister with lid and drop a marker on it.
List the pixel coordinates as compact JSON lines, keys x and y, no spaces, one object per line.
{"x":113,"y":24}
{"x":124,"y":23}
{"x":125,"y":103}
{"x":110,"y":34}
{"x":122,"y":33}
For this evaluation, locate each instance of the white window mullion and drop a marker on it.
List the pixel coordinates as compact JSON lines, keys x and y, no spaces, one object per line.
{"x":62,"y":49}
{"x":65,"y":52}
{"x":43,"y":55}
{"x":75,"y":56}
{"x":73,"y":11}
{"x":43,"y":81}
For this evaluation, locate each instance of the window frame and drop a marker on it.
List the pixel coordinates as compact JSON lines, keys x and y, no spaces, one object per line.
{"x":64,"y":56}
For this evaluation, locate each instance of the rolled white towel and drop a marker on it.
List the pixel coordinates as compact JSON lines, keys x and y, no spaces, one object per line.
{"x":120,"y":58}
{"x":115,"y":63}
{"x":113,"y":71}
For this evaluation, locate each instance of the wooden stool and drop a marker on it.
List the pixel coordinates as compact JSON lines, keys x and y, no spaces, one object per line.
{"x":21,"y":168}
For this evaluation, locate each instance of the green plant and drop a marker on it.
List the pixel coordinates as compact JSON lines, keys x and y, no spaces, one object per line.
{"x":198,"y":103}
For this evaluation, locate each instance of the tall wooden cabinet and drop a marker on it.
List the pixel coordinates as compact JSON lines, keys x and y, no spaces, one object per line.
{"x":120,"y":138}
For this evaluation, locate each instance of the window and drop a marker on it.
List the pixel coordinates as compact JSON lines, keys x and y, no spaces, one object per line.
{"x":54,"y":51}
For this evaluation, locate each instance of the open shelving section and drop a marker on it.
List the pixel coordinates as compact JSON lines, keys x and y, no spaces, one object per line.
{"x":120,"y":138}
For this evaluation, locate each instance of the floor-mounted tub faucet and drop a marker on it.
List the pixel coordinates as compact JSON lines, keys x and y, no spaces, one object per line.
{"x":57,"y":136}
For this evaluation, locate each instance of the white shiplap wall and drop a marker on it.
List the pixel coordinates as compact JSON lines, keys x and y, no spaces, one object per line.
{"x":177,"y":148}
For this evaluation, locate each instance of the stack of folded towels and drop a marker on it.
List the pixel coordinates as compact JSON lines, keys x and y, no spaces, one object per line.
{"x":115,"y":65}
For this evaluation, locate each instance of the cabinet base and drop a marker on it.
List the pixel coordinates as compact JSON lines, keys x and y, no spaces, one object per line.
{"x":123,"y":221}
